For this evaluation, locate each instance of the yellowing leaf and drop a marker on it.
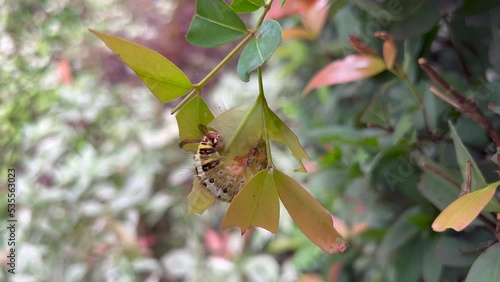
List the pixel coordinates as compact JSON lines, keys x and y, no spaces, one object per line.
{"x":351,"y":68}
{"x":161,"y":76}
{"x":200,"y":199}
{"x":463,"y":155}
{"x":194,"y":113}
{"x":279,"y":131}
{"x":465,"y":209}
{"x":312,"y":218}
{"x":257,"y":204}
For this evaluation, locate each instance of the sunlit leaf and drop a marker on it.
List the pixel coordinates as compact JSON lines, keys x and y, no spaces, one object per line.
{"x":215,"y":24}
{"x":259,"y":49}
{"x":312,"y":218}
{"x":241,"y":128}
{"x":200,"y":199}
{"x":487,"y":266}
{"x":351,"y":68}
{"x":246,"y":6}
{"x":465,"y":209}
{"x":279,"y":132}
{"x":389,"y":48}
{"x":257,"y":204}
{"x":161,"y":76}
{"x":194,"y":113}
{"x":478,"y":180}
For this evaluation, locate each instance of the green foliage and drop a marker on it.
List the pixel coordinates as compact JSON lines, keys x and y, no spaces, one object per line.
{"x":259,"y":49}
{"x":246,"y":6}
{"x":215,"y":24}
{"x":389,"y":142}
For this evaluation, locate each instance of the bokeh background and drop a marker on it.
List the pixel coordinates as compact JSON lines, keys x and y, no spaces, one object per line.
{"x":102,"y":185}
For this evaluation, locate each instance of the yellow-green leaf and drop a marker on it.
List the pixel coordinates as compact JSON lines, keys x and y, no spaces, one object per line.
{"x":257,"y":204}
{"x":194,"y":113}
{"x":241,"y":128}
{"x":279,"y":132}
{"x":465,"y":209}
{"x":463,"y":155}
{"x":200,"y":199}
{"x":161,"y":76}
{"x":312,"y":218}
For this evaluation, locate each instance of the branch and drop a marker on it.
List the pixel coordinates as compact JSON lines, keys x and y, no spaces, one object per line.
{"x":460,"y":102}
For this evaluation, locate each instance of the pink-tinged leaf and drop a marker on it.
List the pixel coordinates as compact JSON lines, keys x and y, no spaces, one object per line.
{"x":361,"y":47}
{"x":257,"y":204}
{"x":351,"y":68}
{"x":465,"y":209}
{"x":312,"y":218}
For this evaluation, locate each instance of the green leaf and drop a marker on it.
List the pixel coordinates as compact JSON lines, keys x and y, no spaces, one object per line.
{"x":403,"y":125}
{"x":257,"y":204}
{"x":278,"y":131}
{"x":215,"y":24}
{"x":487,"y":266}
{"x":311,"y":218}
{"x":442,"y":197}
{"x":200,"y":198}
{"x":283,"y":2}
{"x":194,"y":113}
{"x":241,"y":128}
{"x":400,"y":232}
{"x":431,"y":268}
{"x":259,"y":49}
{"x":478,"y":180}
{"x":161,"y":76}
{"x":246,"y":6}
{"x":465,"y":209}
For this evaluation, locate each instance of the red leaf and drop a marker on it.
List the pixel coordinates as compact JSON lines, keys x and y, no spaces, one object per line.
{"x":351,"y":68}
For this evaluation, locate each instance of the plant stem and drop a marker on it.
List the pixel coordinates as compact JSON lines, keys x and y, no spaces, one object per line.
{"x":196,"y":88}
{"x":225,"y":60}
{"x":264,"y":121}
{"x":401,"y":75}
{"x":193,"y":92}
{"x":460,"y":102}
{"x":267,"y":7}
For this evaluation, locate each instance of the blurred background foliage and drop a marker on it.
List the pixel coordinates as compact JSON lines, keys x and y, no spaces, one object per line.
{"x":102,"y":184}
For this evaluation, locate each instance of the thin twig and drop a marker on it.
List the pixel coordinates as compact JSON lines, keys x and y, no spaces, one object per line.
{"x":460,"y":102}
{"x":440,"y":174}
{"x":468,"y":179}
